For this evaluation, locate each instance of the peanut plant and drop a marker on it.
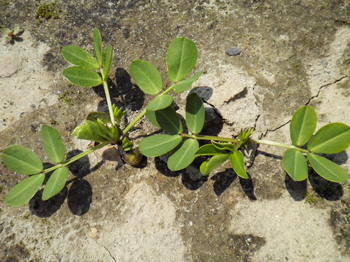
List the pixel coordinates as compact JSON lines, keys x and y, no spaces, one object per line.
{"x":181,"y":142}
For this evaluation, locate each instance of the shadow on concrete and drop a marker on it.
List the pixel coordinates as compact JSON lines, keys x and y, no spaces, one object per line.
{"x":296,"y":189}
{"x":223,"y":180}
{"x":326,"y":189}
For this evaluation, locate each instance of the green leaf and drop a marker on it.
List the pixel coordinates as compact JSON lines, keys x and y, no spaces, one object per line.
{"x":99,"y":129}
{"x":183,"y":156}
{"x":79,"y":57}
{"x":294,"y":163}
{"x":303,"y":125}
{"x":98,"y":46}
{"x":209,"y":150}
{"x":327,"y":168}
{"x":158,"y":145}
{"x":21,"y":160}
{"x":330,"y":139}
{"x":86,"y":132}
{"x":238,"y":165}
{"x":53,"y":144}
{"x":146,"y":76}
{"x":107,"y":62}
{"x":82,"y":77}
{"x":195,"y":113}
{"x":118,"y":113}
{"x":187,"y":83}
{"x":151,"y":116}
{"x":127,"y":144}
{"x":166,"y":119}
{"x":213,"y":163}
{"x":181,"y":58}
{"x":160,"y":102}
{"x":224,"y":146}
{"x":56,"y":183}
{"x":93,"y":116}
{"x":24,"y":190}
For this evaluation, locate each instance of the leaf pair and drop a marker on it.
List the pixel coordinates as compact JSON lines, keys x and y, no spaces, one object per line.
{"x":330,"y":139}
{"x":181,"y":58}
{"x":220,"y":153}
{"x":84,"y":72}
{"x":23,"y":161}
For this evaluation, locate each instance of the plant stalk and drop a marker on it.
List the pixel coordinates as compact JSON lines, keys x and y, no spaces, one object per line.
{"x":108,"y":98}
{"x":272,"y":143}
{"x":75,"y":158}
{"x":215,"y":138}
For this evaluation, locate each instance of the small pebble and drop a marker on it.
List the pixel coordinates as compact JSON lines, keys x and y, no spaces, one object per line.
{"x":233,"y":51}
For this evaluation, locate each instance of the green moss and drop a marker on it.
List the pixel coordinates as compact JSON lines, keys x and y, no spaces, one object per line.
{"x":65,"y":98}
{"x":311,"y":199}
{"x":47,"y":11}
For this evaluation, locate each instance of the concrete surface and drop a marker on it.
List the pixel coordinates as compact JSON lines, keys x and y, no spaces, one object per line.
{"x":293,"y":53}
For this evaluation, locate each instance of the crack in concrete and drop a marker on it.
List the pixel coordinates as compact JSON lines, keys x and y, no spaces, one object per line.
{"x":324,"y":86}
{"x":109,"y":252}
{"x":307,"y":103}
{"x":237,"y":96}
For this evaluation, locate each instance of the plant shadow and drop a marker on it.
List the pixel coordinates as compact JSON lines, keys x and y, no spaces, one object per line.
{"x":328,"y":190}
{"x":124,"y":94}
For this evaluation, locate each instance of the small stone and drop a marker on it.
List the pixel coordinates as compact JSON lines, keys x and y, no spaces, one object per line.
{"x":233,"y":51}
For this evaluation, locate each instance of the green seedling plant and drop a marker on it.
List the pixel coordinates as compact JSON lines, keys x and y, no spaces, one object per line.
{"x":13,"y":35}
{"x":181,"y":141}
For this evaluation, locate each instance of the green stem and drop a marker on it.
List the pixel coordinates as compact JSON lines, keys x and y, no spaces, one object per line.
{"x":108,"y":97}
{"x":215,"y":138}
{"x":272,"y":143}
{"x":75,"y":158}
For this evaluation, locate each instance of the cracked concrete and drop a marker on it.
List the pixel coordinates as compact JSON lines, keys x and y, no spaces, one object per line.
{"x":293,"y":53}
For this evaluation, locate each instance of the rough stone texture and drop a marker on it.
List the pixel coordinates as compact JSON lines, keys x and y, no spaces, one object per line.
{"x":295,"y":53}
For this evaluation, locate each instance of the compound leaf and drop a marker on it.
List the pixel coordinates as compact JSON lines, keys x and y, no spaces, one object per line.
{"x":98,"y":45}
{"x":209,"y":150}
{"x":238,"y":165}
{"x":107,"y":62}
{"x":303,"y":125}
{"x":330,"y":139}
{"x":21,"y":160}
{"x":82,"y":76}
{"x":21,"y":193}
{"x":213,"y":163}
{"x":327,"y":168}
{"x":181,"y":58}
{"x":146,"y":76}
{"x":160,"y":102}
{"x":187,"y":83}
{"x":56,"y":183}
{"x":294,"y":163}
{"x":158,"y":145}
{"x":79,"y":57}
{"x":195,"y":113}
{"x":183,"y":156}
{"x":53,"y":144}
